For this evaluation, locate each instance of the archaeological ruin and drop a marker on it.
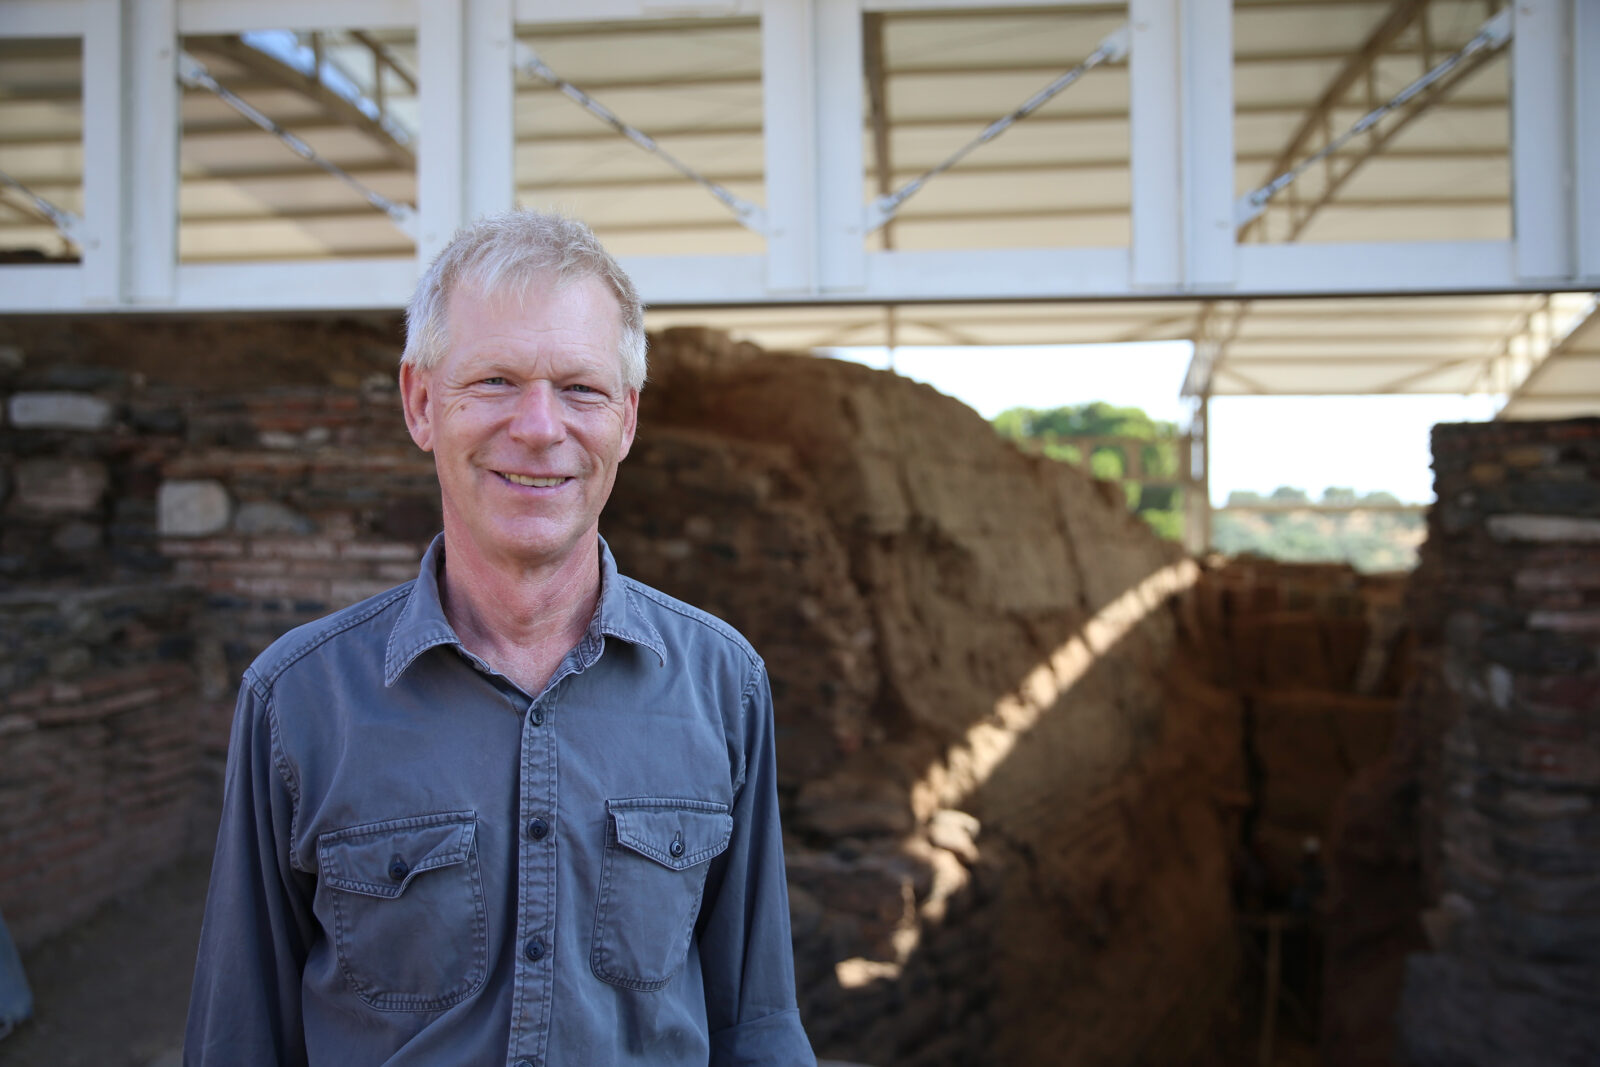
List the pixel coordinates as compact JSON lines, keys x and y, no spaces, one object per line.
{"x":1054,"y":792}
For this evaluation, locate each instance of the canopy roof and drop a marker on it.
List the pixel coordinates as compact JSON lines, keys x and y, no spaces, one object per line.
{"x":1435,"y":172}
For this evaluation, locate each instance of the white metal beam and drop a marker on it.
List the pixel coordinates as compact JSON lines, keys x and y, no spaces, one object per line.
{"x":841,"y":249}
{"x":540,"y":11}
{"x":27,"y":287}
{"x":242,"y":16}
{"x":41,"y":18}
{"x":789,"y":102}
{"x":1155,"y":149}
{"x":944,"y":5}
{"x":130,"y":180}
{"x":999,"y":275}
{"x":1543,"y":191}
{"x":354,"y":284}
{"x":1586,"y":137}
{"x":465,"y":145}
{"x":104,"y":154}
{"x":1207,"y":59}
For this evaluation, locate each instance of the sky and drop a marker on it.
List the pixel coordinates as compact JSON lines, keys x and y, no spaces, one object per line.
{"x":1257,"y":443}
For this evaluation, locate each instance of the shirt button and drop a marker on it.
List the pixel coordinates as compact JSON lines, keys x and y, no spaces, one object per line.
{"x":523,"y":1063}
{"x":537,"y":828}
{"x":538,"y":717}
{"x":534,"y":950}
{"x":398,"y":869}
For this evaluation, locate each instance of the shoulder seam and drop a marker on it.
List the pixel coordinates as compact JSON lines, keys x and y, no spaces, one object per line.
{"x":704,"y":618}
{"x":321,"y":636}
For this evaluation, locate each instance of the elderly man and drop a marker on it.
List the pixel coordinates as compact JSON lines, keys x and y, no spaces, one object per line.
{"x":520,"y":810}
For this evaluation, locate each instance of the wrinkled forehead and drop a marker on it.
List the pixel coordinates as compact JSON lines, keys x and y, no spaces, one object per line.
{"x":584,"y":303}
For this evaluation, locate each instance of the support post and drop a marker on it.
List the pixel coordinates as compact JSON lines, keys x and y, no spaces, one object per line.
{"x":1207,"y":79}
{"x":839,"y":60}
{"x":130,"y":165}
{"x":466,"y":88}
{"x":789,"y":94}
{"x":1197,"y":479}
{"x":1154,"y":101}
{"x":1586,"y":138}
{"x":1542,"y":179}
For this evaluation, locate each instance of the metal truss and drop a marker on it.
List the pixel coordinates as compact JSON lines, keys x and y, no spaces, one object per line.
{"x":1316,"y":142}
{"x":822,"y":73}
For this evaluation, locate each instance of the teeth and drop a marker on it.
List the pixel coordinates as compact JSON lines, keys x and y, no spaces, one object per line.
{"x":537,"y":483}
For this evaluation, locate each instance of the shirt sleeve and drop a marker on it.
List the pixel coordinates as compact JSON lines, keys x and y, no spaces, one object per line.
{"x":746,"y":955}
{"x":244,"y":1009}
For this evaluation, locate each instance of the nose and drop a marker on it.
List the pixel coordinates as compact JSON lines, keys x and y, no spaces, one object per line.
{"x":538,"y":419}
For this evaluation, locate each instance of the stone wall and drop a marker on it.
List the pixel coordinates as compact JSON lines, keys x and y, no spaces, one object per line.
{"x":1008,"y":820}
{"x":1504,"y":730}
{"x":98,"y":747}
{"x":156,"y":535}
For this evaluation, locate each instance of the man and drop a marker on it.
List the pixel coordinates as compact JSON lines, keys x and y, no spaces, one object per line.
{"x":522,"y":809}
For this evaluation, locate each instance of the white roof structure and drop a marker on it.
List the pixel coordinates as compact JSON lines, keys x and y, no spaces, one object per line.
{"x":1441,"y":231}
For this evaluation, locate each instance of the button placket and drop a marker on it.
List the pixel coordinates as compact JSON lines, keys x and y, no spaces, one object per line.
{"x":536,"y":877}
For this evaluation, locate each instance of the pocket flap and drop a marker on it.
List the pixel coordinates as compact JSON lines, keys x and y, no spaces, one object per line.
{"x":675,"y":833}
{"x":380,"y":859}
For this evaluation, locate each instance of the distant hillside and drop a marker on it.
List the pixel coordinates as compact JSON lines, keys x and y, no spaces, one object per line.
{"x":1373,"y":540}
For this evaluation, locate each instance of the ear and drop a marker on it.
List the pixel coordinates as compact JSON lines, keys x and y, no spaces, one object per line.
{"x":630,"y":422}
{"x":415,"y":394}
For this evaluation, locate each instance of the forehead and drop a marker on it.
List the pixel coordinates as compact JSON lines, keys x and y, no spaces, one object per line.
{"x":577,"y":312}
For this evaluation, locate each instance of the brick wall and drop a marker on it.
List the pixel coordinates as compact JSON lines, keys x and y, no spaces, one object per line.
{"x":99,"y":747}
{"x":1507,"y":710}
{"x":155,"y":537}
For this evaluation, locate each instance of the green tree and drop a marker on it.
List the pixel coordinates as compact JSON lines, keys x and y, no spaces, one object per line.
{"x":1060,"y":433}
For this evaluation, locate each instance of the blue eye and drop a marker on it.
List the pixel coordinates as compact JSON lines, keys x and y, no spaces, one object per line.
{"x":497,"y":380}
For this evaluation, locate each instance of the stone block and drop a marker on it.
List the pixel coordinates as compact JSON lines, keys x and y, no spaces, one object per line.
{"x":59,"y":411}
{"x":270,"y":517}
{"x":192,"y":508}
{"x":60,"y":486}
{"x":1544,"y":528}
{"x":77,"y":536}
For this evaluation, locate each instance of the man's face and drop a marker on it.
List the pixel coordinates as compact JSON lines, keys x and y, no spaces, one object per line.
{"x":527,"y":416}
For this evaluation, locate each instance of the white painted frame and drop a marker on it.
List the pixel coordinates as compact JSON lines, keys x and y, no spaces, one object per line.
{"x":1181,"y":115}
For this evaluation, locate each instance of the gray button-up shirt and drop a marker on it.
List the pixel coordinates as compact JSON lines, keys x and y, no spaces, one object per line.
{"x":419,"y":863}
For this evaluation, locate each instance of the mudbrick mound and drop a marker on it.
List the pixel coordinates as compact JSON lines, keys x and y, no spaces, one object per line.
{"x":1006,"y":845}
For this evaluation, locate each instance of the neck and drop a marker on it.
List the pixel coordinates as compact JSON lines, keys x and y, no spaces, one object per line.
{"x":521,"y":620}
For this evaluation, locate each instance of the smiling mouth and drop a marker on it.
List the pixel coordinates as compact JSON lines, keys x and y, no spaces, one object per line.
{"x":536,"y":483}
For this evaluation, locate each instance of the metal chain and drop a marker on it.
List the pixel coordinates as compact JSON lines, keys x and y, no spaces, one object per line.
{"x":192,"y":73}
{"x":1493,"y":34}
{"x":1111,"y":50}
{"x":528,"y":62}
{"x":65,"y":222}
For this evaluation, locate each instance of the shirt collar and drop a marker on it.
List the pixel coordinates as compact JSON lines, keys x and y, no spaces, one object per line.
{"x":422,"y":624}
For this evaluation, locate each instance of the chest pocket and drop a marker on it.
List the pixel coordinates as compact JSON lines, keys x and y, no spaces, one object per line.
{"x":403,"y":900}
{"x":654,"y":873}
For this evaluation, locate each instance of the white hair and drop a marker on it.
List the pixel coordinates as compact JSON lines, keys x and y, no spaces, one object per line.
{"x":511,"y":253}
